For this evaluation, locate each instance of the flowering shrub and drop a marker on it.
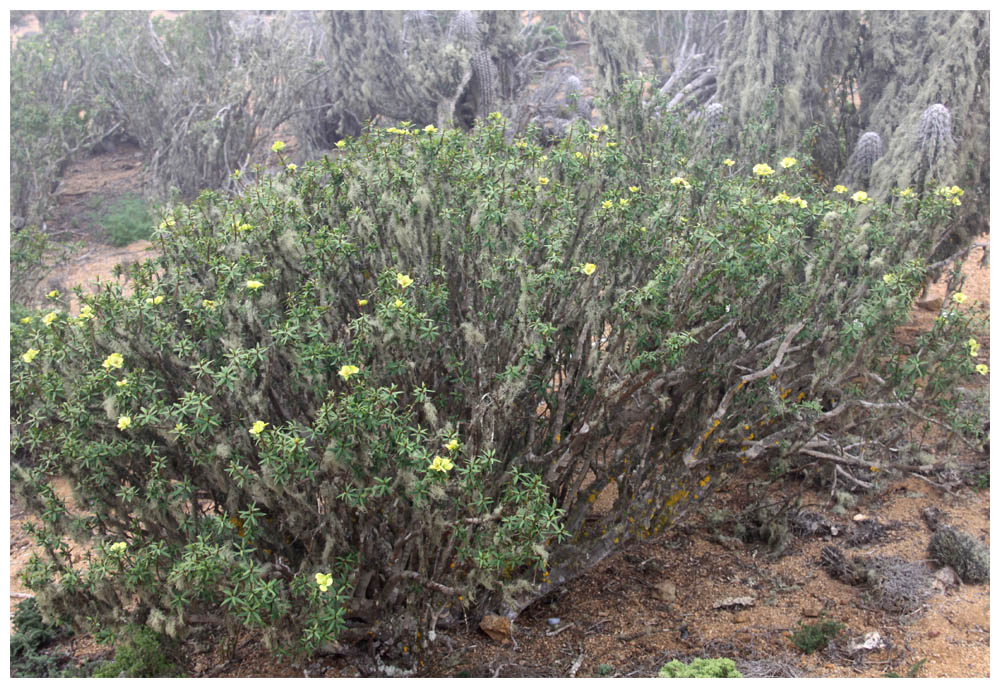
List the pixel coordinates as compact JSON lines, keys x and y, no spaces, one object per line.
{"x":411,"y":382}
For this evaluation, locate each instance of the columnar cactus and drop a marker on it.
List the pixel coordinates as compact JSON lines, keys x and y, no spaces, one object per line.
{"x":486,"y":74}
{"x":464,"y":27}
{"x":868,"y":149}
{"x":712,"y":118}
{"x":934,"y":134}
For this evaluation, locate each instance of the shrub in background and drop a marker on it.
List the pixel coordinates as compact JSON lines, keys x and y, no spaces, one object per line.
{"x":199,"y":92}
{"x":384,"y":390}
{"x":54,"y":114}
{"x":126,"y":219}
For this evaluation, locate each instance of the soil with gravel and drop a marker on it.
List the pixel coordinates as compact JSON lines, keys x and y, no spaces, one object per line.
{"x":690,"y":593}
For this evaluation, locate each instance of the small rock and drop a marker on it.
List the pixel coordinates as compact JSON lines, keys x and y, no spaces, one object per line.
{"x":933,"y":634}
{"x":731,"y":602}
{"x":947,"y":577}
{"x":496,"y":627}
{"x":811,"y":610}
{"x":666,"y":591}
{"x":741,"y":617}
{"x":553,"y":621}
{"x":860,"y":517}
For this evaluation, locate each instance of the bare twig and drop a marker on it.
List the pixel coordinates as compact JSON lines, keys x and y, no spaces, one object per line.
{"x":560,"y":629}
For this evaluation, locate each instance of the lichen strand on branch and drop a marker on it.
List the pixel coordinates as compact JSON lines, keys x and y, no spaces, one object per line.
{"x":440,"y":373}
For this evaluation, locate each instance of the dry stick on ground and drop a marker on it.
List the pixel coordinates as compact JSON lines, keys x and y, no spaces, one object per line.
{"x":576,"y":665}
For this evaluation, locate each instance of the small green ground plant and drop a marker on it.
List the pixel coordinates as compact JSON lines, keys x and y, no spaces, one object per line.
{"x":911,"y":672}
{"x":30,"y":654}
{"x":141,"y":653}
{"x":383,"y":391}
{"x":815,"y":636}
{"x":125,"y":219}
{"x":720,"y":667}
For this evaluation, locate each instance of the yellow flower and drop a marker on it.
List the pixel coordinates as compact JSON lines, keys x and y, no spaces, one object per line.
{"x":362,"y":302}
{"x":54,"y":294}
{"x":955,"y":201}
{"x":610,"y":144}
{"x":889,"y":278}
{"x":623,"y":202}
{"x":603,"y":128}
{"x":634,"y":189}
{"x":840,"y":188}
{"x":780,"y":198}
{"x":118,"y":547}
{"x":452,"y":445}
{"x":277,"y":146}
{"x":122,"y":383}
{"x":789,"y":162}
{"x":398,"y":303}
{"x":956,"y":191}
{"x":258,"y":427}
{"x":762,"y":169}
{"x":441,"y":465}
{"x":50,"y":318}
{"x":579,"y":155}
{"x":982,"y":369}
{"x":25,"y":320}
{"x":124,"y":422}
{"x":521,"y":144}
{"x":906,"y":193}
{"x":958,"y":297}
{"x":237,"y":174}
{"x":403,"y":280}
{"x":802,"y":203}
{"x":341,"y":143}
{"x":593,"y":136}
{"x":208,"y":303}
{"x":588,"y":269}
{"x":430,"y":128}
{"x":86,"y":313}
{"x":347,"y":370}
{"x":728,"y":162}
{"x":680,"y":181}
{"x":254,"y":285}
{"x":607,"y":205}
{"x":155,"y":301}
{"x":113,"y":361}
{"x":291,"y":167}
{"x":859,"y":197}
{"x":29,"y":355}
{"x":543,"y":180}
{"x":324,"y":581}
